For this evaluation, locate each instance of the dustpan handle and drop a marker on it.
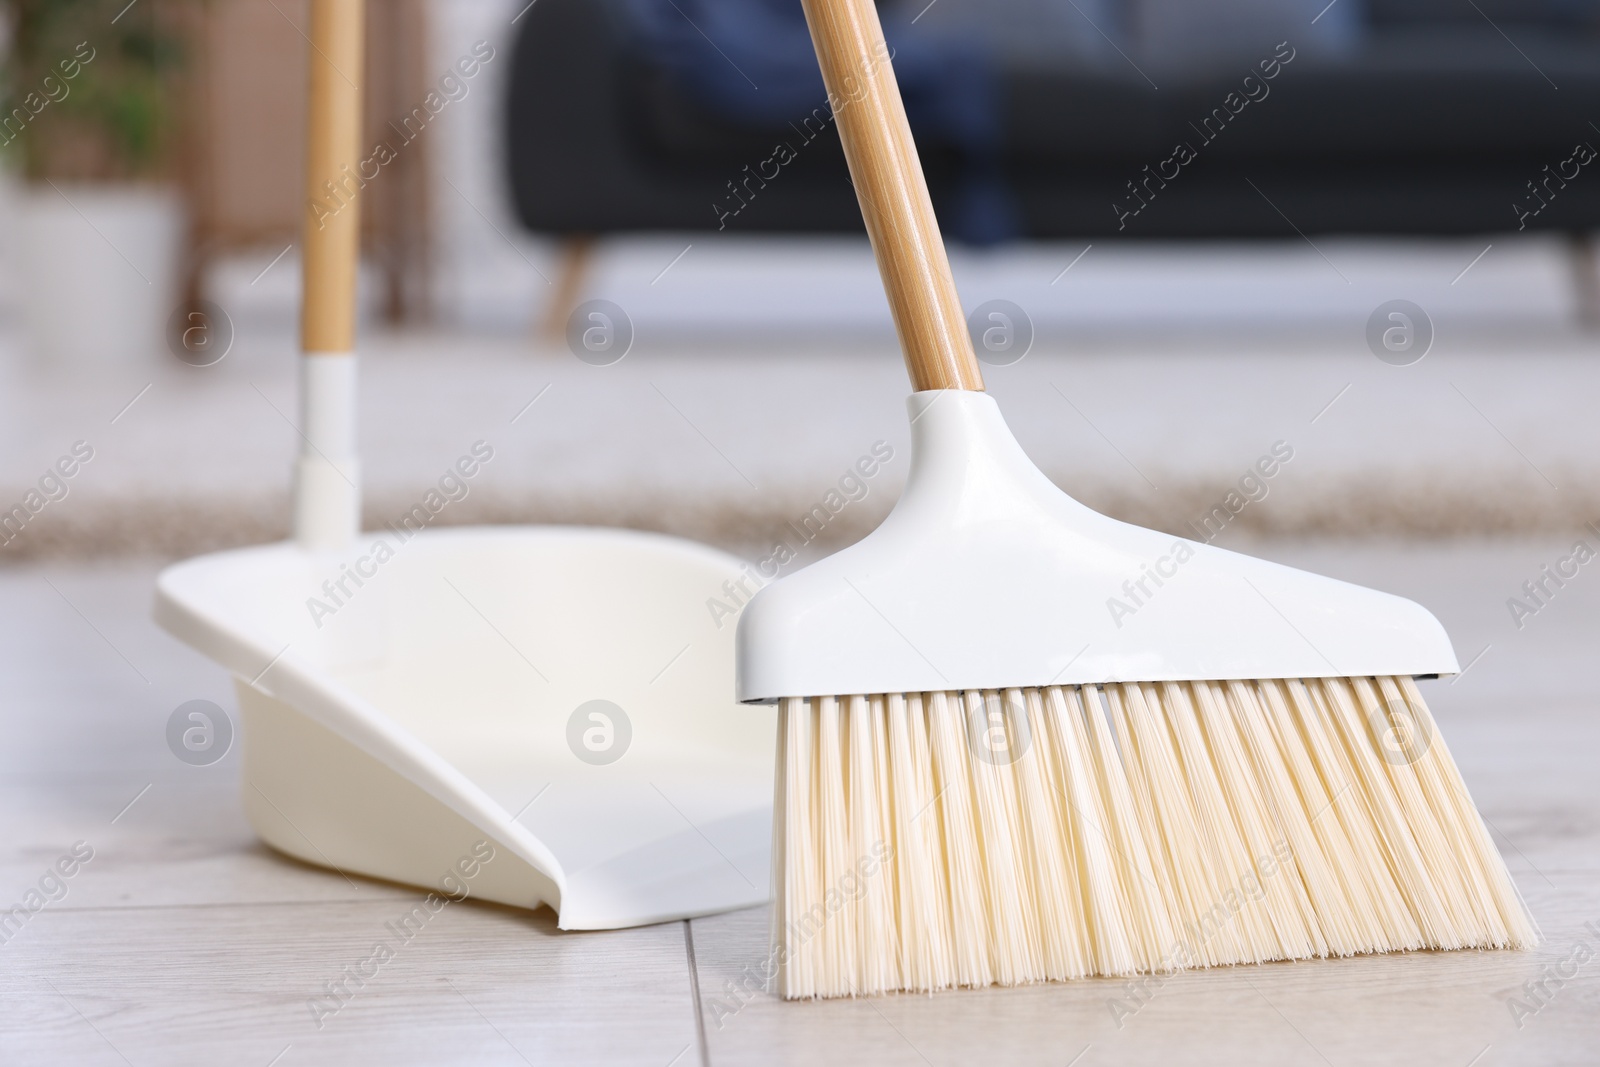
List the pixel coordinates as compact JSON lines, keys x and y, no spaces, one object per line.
{"x":332,"y":224}
{"x":327,"y":505}
{"x":893,"y":194}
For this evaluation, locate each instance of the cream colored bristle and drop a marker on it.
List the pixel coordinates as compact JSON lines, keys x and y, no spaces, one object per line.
{"x":931,"y":840}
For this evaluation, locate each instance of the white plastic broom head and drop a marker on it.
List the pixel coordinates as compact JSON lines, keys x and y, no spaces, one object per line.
{"x":986,"y":576}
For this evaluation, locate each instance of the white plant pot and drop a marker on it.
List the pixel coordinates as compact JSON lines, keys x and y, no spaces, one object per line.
{"x":96,"y":270}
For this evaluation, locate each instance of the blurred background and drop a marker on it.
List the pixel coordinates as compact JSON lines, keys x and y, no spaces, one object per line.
{"x":1196,"y":219}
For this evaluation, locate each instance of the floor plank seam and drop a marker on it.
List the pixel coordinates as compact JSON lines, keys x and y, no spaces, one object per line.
{"x":216,"y":904}
{"x":694,"y":990}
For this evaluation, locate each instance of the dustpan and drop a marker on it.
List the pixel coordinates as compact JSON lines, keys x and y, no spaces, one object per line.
{"x":433,"y":710}
{"x":528,"y":715}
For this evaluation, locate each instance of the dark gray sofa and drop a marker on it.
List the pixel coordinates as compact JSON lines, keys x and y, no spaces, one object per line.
{"x":1437,"y":124}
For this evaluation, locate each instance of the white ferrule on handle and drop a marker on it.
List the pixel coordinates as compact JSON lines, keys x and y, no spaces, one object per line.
{"x":327,"y":475}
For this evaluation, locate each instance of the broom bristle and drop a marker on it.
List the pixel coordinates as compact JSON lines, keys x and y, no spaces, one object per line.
{"x":932,"y":840}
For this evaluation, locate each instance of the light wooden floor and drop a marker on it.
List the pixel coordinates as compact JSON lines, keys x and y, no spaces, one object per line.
{"x":185,"y":941}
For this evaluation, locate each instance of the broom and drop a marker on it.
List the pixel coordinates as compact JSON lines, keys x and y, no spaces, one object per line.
{"x":986,"y":776}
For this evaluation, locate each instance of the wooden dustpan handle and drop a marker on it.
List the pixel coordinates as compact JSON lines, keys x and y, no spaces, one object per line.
{"x":893,"y":194}
{"x":327,"y":494}
{"x":331,"y":242}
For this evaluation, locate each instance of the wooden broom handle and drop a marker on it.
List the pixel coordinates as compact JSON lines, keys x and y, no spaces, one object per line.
{"x":333,"y":151}
{"x":893,"y":194}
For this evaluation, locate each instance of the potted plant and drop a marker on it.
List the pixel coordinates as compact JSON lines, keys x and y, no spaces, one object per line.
{"x":88,"y":94}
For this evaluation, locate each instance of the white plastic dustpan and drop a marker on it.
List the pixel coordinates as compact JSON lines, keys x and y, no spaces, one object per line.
{"x":526,"y":715}
{"x":452,"y":693}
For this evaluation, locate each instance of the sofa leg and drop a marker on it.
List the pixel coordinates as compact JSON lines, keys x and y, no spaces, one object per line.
{"x":576,"y":253}
{"x":1584,"y":250}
